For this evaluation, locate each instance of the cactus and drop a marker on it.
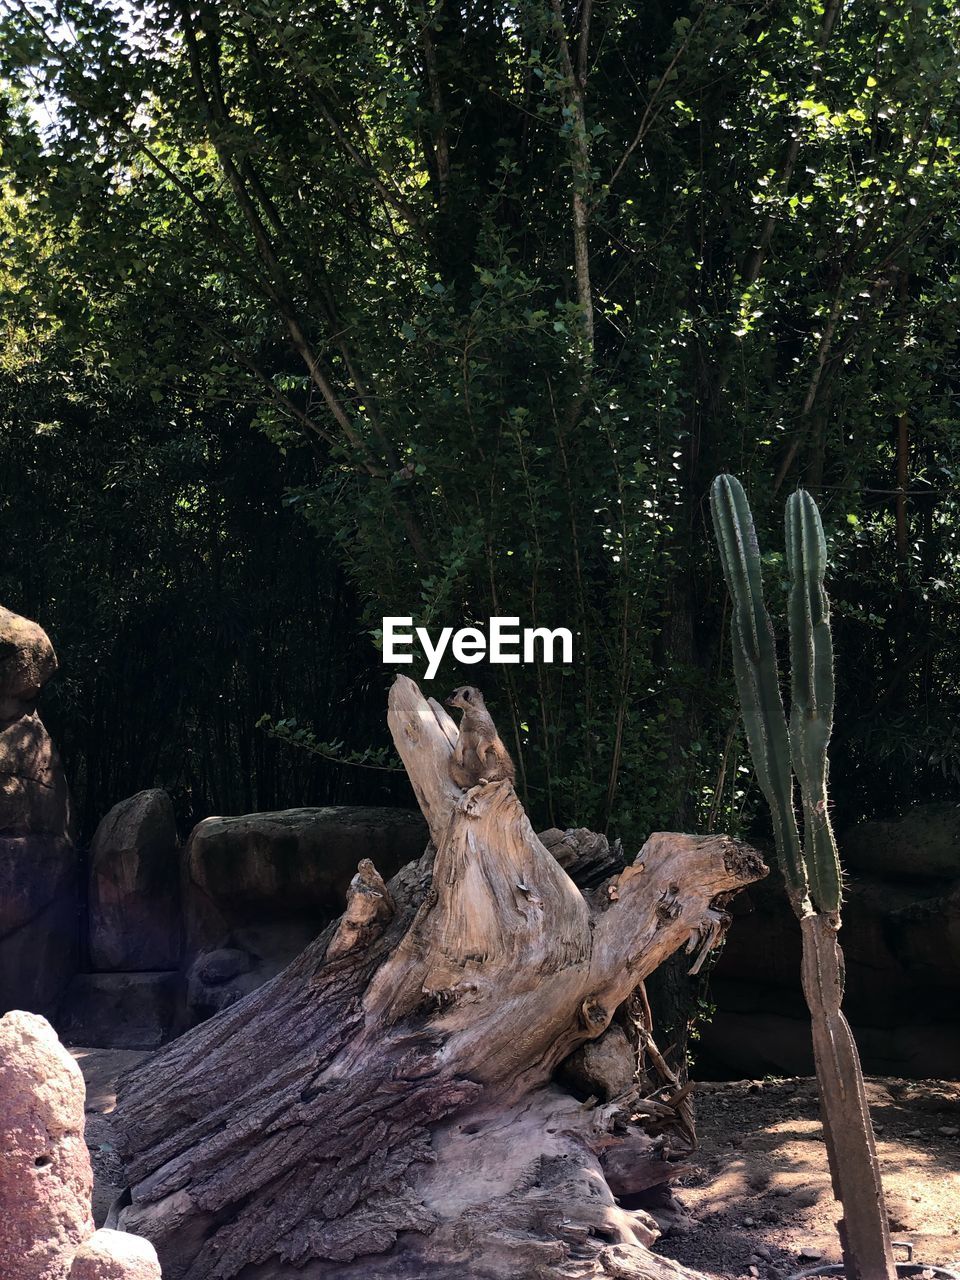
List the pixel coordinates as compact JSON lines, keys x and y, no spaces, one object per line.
{"x":758,"y":681}
{"x":811,"y":870}
{"x":811,"y":712}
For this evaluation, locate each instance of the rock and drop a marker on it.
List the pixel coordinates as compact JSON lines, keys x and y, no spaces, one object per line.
{"x":38,"y":861}
{"x":604,"y":1068}
{"x":115,"y":1255}
{"x":27,"y":661}
{"x":265,"y":884}
{"x":216,"y":967}
{"x":925,"y":935}
{"x":34,"y":797}
{"x":45,"y":1177}
{"x":901,"y":942}
{"x":134,"y":892}
{"x":809,"y":1251}
{"x":120,"y":1010}
{"x":38,"y":957}
{"x":924,"y":842}
{"x":38,"y":920}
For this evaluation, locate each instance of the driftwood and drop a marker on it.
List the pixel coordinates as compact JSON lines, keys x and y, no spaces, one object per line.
{"x":386,"y":1106}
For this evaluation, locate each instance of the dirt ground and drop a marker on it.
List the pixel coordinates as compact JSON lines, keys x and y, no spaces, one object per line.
{"x":762,"y":1197}
{"x":760,"y":1204}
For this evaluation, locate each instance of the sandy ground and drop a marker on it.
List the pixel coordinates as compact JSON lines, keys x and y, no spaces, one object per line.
{"x":762,"y":1195}
{"x":760,"y":1204}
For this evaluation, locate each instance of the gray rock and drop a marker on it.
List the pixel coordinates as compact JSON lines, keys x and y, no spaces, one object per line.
{"x":265,"y":884}
{"x":605,"y":1067}
{"x":134,"y":890}
{"x":119,"y":1010}
{"x":900,"y":942}
{"x":115,"y":1255}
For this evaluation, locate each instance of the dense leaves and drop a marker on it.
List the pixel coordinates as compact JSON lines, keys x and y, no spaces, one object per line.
{"x":505,"y":285}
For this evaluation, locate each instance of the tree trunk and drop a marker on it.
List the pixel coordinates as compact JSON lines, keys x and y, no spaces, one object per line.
{"x":385,"y":1107}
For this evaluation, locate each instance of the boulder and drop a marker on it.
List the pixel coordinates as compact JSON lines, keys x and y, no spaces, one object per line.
{"x":38,"y":861}
{"x":46,"y":1181}
{"x":257,"y":888}
{"x":925,"y":842}
{"x":604,"y":1068}
{"x":34,"y":797}
{"x":115,"y":1255}
{"x":134,"y":888}
{"x":45,"y":1177}
{"x":120,"y":1010}
{"x":27,"y":661}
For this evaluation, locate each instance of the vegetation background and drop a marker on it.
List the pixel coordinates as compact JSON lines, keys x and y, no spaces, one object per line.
{"x":315,"y":312}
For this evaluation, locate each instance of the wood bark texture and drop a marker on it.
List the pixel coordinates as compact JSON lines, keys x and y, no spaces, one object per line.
{"x":848,"y":1131}
{"x":387,"y":1105}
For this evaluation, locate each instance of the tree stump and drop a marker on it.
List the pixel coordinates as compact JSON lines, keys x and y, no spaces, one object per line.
{"x":386,"y":1106}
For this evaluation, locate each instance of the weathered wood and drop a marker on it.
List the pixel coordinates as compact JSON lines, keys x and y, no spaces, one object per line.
{"x":385,"y":1106}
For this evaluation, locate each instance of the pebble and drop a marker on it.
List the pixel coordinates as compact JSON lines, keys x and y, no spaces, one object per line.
{"x":749,"y":1222}
{"x":949,"y":1130}
{"x":808,"y":1251}
{"x":754,"y":1271}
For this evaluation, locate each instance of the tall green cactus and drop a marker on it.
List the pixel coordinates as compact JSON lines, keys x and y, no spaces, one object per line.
{"x":811,"y":712}
{"x":758,"y":681}
{"x":812,"y":872}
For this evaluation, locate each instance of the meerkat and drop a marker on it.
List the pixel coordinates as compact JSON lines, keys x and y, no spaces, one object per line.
{"x":479,"y":756}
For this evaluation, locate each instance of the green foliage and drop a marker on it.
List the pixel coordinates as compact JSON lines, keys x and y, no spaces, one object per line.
{"x":350,"y":228}
{"x":297,"y":735}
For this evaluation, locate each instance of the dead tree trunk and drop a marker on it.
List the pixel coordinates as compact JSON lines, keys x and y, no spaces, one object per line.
{"x":385,"y":1106}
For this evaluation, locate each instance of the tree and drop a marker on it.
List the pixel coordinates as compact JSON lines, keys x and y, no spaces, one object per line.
{"x":521,"y":278}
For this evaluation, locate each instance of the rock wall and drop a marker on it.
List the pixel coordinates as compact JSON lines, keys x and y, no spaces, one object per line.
{"x":38,"y":858}
{"x":177,"y":934}
{"x":901,"y":942}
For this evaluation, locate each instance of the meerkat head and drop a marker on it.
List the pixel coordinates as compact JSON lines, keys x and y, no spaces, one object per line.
{"x":465,"y":698}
